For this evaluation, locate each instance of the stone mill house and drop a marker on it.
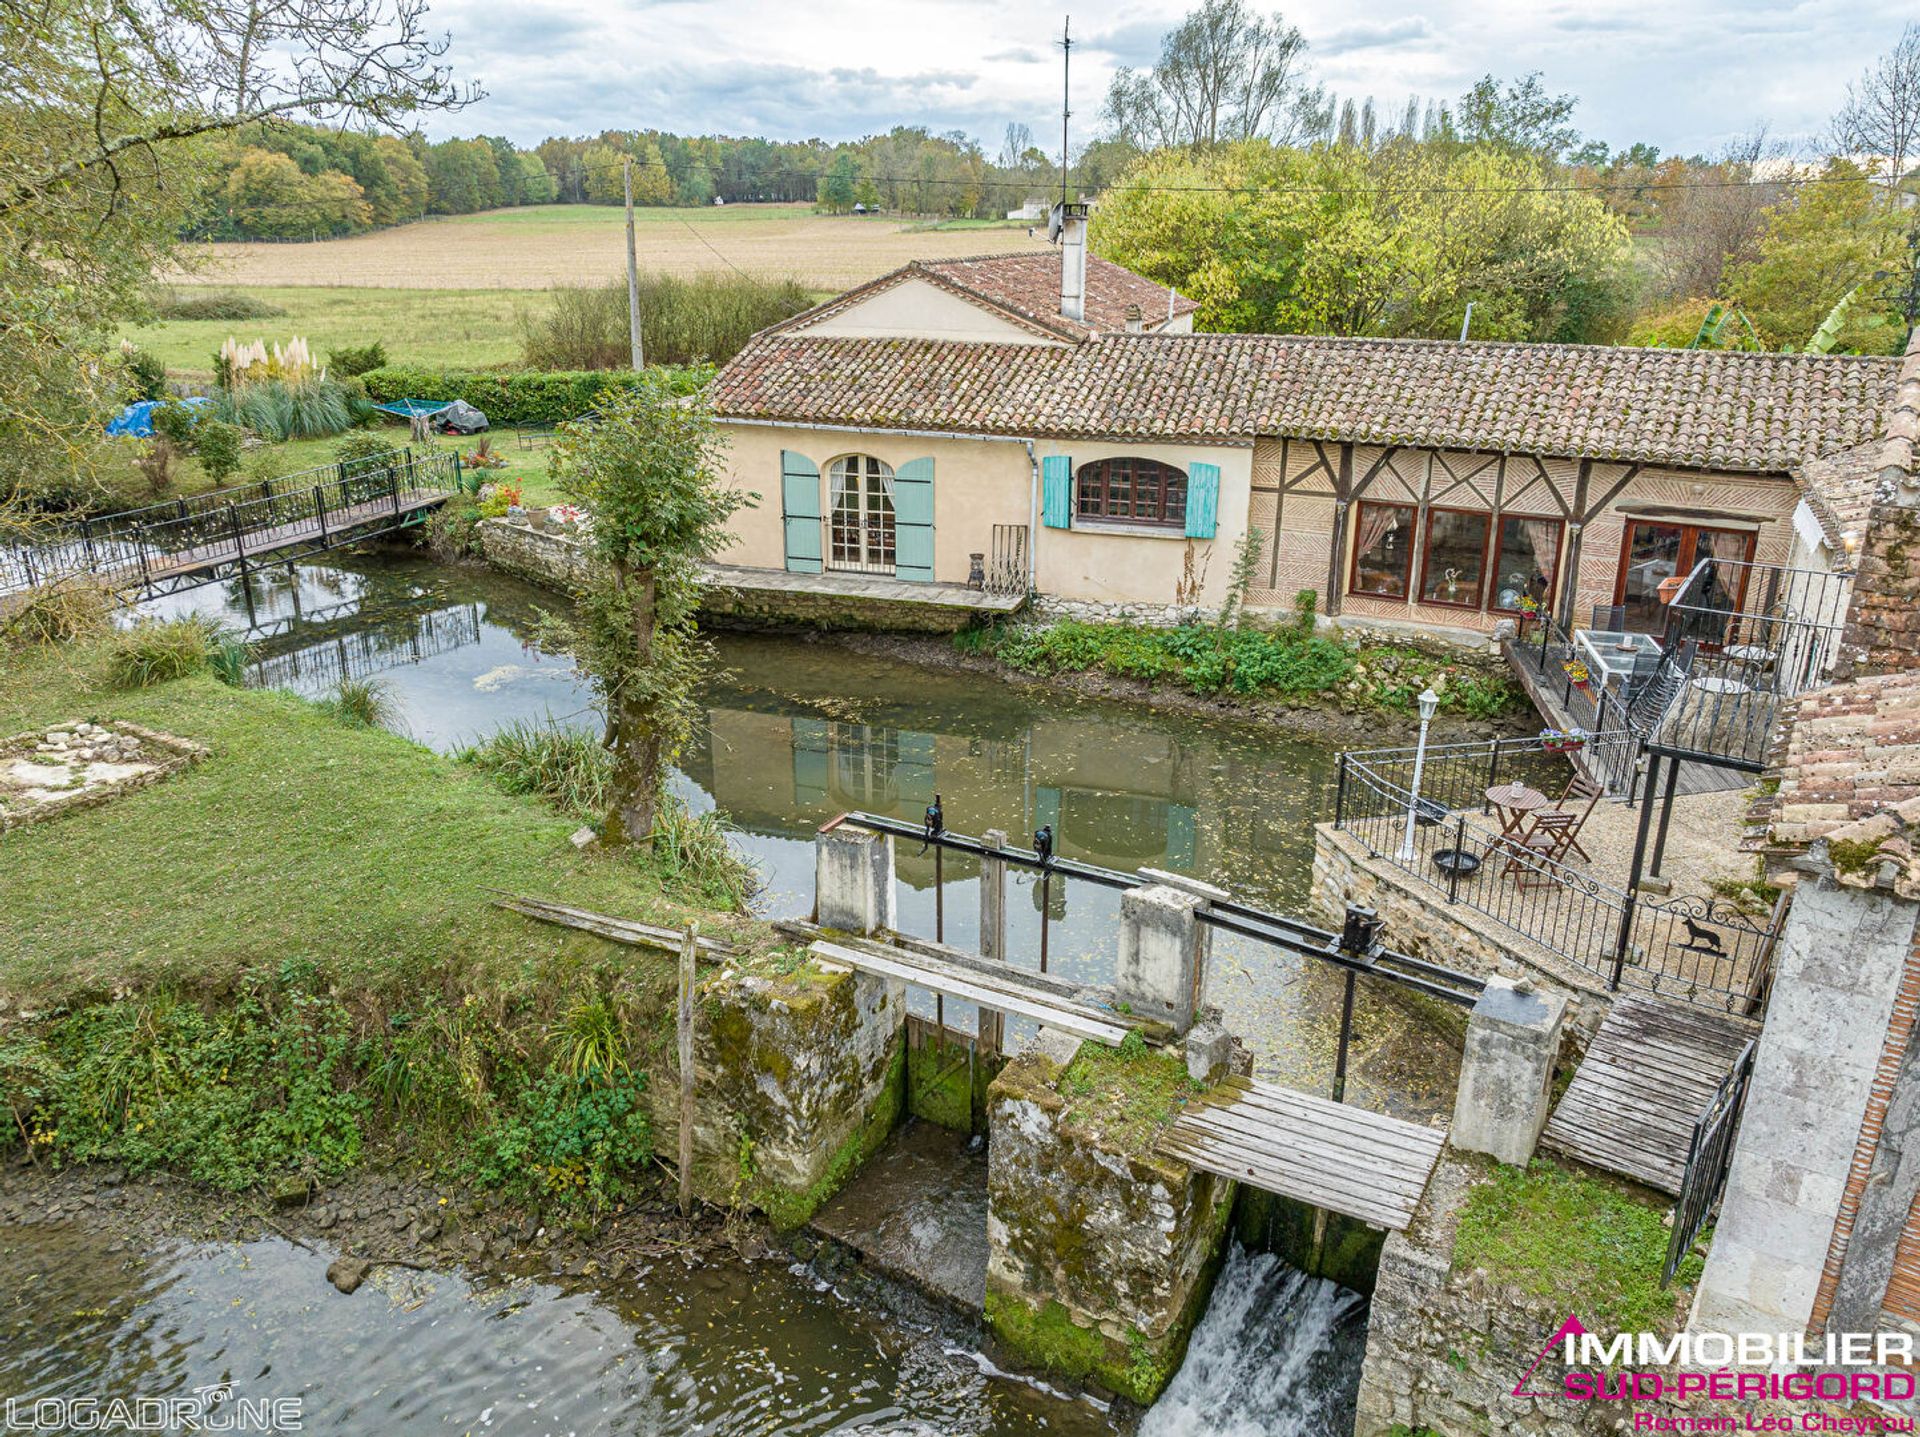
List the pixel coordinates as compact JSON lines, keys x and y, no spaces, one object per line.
{"x":1051,"y":425}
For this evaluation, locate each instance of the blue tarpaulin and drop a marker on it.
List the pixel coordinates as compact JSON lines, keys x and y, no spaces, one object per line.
{"x":415,"y":408}
{"x":136,"y":420}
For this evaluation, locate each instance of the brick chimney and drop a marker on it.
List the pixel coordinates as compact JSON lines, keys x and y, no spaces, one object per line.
{"x":1069,"y":227}
{"x":1883,"y":617}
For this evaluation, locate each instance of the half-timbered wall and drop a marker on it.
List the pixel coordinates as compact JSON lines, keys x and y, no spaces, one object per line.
{"x":1306,"y":494}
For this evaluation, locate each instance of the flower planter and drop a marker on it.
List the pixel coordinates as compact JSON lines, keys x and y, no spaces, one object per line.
{"x":1573,"y":745}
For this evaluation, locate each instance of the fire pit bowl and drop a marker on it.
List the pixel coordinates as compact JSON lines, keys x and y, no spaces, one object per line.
{"x":1456,"y":862}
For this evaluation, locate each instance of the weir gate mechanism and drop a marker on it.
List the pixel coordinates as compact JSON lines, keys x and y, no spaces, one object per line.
{"x":1316,"y":1150}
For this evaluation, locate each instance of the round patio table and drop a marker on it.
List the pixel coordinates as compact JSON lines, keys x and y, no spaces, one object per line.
{"x":1516,"y":801}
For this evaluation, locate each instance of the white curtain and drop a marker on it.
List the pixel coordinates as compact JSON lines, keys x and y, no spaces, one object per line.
{"x":839,"y":479}
{"x":1543,"y":538}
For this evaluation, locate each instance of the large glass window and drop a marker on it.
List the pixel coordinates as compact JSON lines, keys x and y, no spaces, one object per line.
{"x":1382,"y":550}
{"x":1525,"y":563}
{"x":1455,"y":566}
{"x":1135,"y":491}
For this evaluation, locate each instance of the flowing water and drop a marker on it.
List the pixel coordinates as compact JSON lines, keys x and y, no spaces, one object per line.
{"x":793,"y":732}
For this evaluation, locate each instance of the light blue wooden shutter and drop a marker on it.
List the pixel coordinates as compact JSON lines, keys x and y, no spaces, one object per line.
{"x":800,"y":508}
{"x":913,"y":521}
{"x":1203,"y":500}
{"x":1056,"y":491}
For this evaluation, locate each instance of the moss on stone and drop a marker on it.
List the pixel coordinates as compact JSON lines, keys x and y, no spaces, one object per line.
{"x":1853,"y":855}
{"x":1123,"y":1097}
{"x":787,"y":1209}
{"x":947,"y":1084}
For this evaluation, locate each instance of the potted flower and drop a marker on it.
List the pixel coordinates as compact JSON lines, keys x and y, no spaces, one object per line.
{"x":1578,"y":673}
{"x":566,"y":516}
{"x":1555,"y":740}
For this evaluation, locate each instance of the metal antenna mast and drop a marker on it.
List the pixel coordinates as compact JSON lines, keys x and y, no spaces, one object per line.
{"x":1066,"y":113}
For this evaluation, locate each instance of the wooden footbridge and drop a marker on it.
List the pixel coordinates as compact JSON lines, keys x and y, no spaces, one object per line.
{"x":182,"y":544}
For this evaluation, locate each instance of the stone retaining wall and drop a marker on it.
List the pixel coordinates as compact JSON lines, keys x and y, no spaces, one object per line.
{"x":551,"y":560}
{"x":723,"y":606}
{"x":1419,"y":920}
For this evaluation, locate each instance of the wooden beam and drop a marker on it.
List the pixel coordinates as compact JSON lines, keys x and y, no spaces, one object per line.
{"x":618,"y":930}
{"x":1041,"y":1007}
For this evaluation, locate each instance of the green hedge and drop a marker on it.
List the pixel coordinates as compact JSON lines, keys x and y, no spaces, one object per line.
{"x":518,"y":397}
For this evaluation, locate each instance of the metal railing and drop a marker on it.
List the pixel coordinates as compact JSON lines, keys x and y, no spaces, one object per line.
{"x":1356,"y":950}
{"x":1701,"y":951}
{"x":1007,"y":565}
{"x":365,"y":652}
{"x":1709,"y":1158}
{"x":157,"y":545}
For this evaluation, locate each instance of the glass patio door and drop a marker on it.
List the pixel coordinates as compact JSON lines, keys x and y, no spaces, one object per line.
{"x":860,"y":524}
{"x":1653,"y":553}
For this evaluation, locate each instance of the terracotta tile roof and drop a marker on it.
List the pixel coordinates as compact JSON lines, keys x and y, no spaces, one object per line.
{"x":1022,"y":288}
{"x":1763,"y":413}
{"x":1029,"y":284}
{"x":1839,"y":489}
{"x":1849,"y":796}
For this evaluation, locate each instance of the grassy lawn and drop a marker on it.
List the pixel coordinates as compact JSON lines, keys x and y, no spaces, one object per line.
{"x":1592,"y":1245}
{"x":449,"y":328}
{"x":298,"y":839}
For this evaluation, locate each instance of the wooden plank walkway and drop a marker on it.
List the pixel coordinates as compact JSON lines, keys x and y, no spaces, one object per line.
{"x":1649,"y":1073}
{"x":997,"y":986}
{"x":1326,"y":1154}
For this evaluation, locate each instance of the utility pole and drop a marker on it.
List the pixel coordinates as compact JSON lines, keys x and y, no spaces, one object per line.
{"x":633,"y":277}
{"x":1066,"y":97}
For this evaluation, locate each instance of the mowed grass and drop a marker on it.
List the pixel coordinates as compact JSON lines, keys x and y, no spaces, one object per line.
{"x":299,"y":838}
{"x":447,"y":328}
{"x":540,"y":246}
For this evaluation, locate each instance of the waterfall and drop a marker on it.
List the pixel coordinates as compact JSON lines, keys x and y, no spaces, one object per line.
{"x":1277,"y":1354}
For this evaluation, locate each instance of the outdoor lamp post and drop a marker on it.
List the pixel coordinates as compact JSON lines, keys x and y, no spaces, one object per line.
{"x":1429,"y":702}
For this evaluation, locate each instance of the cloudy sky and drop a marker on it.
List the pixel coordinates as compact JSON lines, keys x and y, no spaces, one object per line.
{"x":1682,"y":74}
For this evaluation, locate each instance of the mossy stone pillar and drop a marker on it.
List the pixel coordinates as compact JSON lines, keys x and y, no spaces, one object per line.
{"x":853,"y":880}
{"x":1506,"y":1071}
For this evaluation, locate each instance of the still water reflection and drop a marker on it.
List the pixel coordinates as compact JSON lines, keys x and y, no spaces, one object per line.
{"x":795,"y":732}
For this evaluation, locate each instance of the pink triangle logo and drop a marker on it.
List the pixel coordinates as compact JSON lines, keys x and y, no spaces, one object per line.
{"x":1570,"y":1328}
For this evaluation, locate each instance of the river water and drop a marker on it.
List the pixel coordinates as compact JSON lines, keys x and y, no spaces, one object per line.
{"x":793,"y":733}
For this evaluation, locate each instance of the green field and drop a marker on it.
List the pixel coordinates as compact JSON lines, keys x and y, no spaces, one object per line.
{"x":451,"y":328}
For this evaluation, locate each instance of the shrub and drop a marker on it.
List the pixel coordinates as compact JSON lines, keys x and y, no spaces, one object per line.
{"x":524,"y":397}
{"x":212,"y":304}
{"x":60,"y":613}
{"x":453,"y":532}
{"x":364,"y":449}
{"x":174,"y":422}
{"x":155,"y":463}
{"x":570,"y":1138}
{"x":703,"y":318}
{"x":147,"y":373}
{"x":498,"y":499}
{"x":156,"y":652}
{"x":218,"y":445}
{"x":350,"y":362}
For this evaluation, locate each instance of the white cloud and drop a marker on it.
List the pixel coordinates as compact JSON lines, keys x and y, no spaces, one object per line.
{"x":1682,"y":74}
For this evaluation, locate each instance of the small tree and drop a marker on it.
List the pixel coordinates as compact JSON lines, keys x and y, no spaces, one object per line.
{"x":218,"y":445}
{"x":645,"y":469}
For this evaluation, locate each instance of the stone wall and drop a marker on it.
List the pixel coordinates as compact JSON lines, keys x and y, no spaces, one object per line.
{"x":1802,"y":1120}
{"x":543,"y":557}
{"x":1883,"y":622}
{"x":726,"y":606}
{"x":1099,"y":1260}
{"x":1418,"y":920}
{"x":800,"y":1077}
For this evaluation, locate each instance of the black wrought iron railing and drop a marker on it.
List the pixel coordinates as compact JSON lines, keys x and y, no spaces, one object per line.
{"x":1709,"y":1159}
{"x":137,"y":547}
{"x":1703,"y":951}
{"x":364,"y":652}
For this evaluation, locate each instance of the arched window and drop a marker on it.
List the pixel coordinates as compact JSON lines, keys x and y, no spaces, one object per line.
{"x":1133,"y":491}
{"x":860,"y":521}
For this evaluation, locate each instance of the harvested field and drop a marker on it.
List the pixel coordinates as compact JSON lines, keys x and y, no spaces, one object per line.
{"x":544,"y":245}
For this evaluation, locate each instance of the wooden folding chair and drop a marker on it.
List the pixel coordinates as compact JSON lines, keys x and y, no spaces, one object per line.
{"x":1579,"y":799}
{"x":1547,"y":839}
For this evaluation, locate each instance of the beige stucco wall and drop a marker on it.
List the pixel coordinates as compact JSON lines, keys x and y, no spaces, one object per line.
{"x":915,"y":309}
{"x":979,"y":483}
{"x":1297,"y":556}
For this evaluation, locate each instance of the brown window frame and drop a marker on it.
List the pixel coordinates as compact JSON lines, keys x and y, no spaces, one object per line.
{"x":1493,"y":553}
{"x":1093,"y":478}
{"x":1353,"y":563}
{"x":1478,"y":601}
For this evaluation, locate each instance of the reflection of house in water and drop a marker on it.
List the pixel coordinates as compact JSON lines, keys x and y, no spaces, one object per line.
{"x":1115,"y":794}
{"x":320,"y":650}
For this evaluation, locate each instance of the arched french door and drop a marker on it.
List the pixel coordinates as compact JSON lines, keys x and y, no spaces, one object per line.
{"x":860,"y":515}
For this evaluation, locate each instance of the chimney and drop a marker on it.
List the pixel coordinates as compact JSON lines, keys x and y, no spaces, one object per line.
{"x":1069,"y":227}
{"x":1136,"y":324}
